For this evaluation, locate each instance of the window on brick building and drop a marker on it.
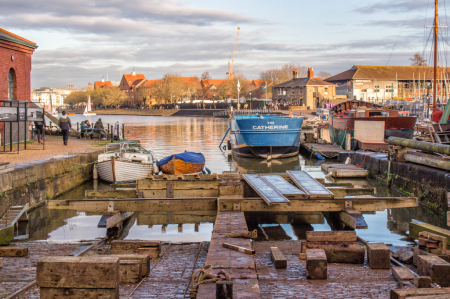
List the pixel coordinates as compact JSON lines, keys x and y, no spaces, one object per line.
{"x":11,"y":85}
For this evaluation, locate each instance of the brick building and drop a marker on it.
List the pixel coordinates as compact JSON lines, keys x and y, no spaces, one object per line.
{"x":380,"y":83}
{"x":307,"y":91}
{"x":15,"y":69}
{"x":129,"y":85}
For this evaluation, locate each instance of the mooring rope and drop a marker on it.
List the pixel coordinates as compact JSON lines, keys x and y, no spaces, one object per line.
{"x":249,"y":235}
{"x":201,"y":276}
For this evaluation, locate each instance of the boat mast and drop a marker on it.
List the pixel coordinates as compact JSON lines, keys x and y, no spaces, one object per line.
{"x":436,"y":30}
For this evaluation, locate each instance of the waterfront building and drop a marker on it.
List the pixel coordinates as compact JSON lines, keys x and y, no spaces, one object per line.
{"x":309,"y":92}
{"x":375,"y":83}
{"x":44,"y":94}
{"x":129,"y":85}
{"x":15,"y":70}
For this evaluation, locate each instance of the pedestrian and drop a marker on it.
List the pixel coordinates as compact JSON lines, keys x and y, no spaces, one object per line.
{"x":65,"y":124}
{"x":40,"y":130}
{"x":99,"y":127}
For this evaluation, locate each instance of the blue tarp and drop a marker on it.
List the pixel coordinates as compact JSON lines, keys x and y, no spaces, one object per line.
{"x":189,"y":157}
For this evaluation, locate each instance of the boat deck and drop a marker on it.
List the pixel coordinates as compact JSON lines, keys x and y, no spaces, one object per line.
{"x":327,"y":150}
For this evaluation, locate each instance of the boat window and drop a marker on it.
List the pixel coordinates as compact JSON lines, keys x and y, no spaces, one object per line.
{"x":376,"y":113}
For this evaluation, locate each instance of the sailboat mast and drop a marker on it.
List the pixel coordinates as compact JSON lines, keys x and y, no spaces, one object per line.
{"x":436,"y":30}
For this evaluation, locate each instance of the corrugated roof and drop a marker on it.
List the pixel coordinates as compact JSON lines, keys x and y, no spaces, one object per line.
{"x":366,"y":72}
{"x":11,"y":37}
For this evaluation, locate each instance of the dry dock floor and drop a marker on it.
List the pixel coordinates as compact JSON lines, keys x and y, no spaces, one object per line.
{"x":171,"y":275}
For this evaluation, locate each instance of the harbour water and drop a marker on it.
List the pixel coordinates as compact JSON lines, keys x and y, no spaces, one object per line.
{"x":170,"y":135}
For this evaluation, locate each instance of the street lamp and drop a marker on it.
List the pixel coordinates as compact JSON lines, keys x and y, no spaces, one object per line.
{"x":250,"y":101}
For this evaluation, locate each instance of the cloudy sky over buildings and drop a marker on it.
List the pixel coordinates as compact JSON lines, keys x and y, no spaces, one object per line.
{"x":81,"y":40}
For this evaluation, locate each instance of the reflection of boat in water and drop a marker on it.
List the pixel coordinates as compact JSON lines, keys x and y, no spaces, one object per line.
{"x":129,"y":163}
{"x":265,"y":135}
{"x":250,"y":165}
{"x":184,"y":163}
{"x":343,"y":117}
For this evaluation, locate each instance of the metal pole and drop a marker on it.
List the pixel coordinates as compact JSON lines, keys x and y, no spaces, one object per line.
{"x":123,"y":131}
{"x":26,"y":125}
{"x":436,"y":30}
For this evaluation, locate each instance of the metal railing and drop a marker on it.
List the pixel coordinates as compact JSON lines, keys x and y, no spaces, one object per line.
{"x":244,"y":112}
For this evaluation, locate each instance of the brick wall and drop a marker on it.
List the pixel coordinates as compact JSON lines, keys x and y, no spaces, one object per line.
{"x":21,"y":64}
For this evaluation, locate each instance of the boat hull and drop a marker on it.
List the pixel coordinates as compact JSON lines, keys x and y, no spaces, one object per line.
{"x":115,"y":171}
{"x":400,"y":126}
{"x":265,"y":136}
{"x":178,"y":166}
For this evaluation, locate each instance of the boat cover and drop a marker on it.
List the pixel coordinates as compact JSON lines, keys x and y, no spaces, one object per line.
{"x":189,"y":157}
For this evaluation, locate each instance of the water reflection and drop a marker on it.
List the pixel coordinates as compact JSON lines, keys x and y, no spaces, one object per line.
{"x":168,"y":135}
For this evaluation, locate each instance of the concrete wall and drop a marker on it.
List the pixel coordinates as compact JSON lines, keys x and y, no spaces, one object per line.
{"x":429,"y":184}
{"x":40,"y":180}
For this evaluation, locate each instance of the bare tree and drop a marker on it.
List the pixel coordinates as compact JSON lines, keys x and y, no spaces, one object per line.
{"x":418,"y":60}
{"x":285,"y":73}
{"x":324,"y":75}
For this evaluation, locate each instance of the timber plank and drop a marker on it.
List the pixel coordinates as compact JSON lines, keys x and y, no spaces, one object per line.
{"x":118,"y":218}
{"x":402,"y":274}
{"x":353,"y":220}
{"x":266,"y":191}
{"x":144,"y":259}
{"x":345,"y":255}
{"x":342,"y":192}
{"x":408,"y":293}
{"x":378,"y":256}
{"x":130,"y":271}
{"x":316,"y":264}
{"x":110,"y":193}
{"x":323,"y":245}
{"x":132,"y":246}
{"x":177,"y":184}
{"x":13,"y":251}
{"x":310,"y":186}
{"x":283,"y":186}
{"x":434,"y":267}
{"x":78,"y":272}
{"x":350,"y":173}
{"x":324,"y":236}
{"x":278,"y":258}
{"x":77,"y":293}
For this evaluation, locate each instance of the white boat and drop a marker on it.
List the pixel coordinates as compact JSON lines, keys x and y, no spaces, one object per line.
{"x":52,"y":110}
{"x":130,"y":163}
{"x":87,"y":110}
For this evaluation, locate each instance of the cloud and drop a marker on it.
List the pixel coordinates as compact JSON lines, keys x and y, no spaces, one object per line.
{"x":394,"y":7}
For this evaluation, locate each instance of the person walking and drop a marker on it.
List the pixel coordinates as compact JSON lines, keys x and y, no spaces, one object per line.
{"x":40,"y":130}
{"x":65,"y":124}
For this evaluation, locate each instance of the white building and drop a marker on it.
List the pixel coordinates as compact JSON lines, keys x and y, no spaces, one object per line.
{"x":44,"y":94}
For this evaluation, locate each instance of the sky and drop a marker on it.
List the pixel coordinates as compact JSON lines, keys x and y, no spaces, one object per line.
{"x":79,"y":41}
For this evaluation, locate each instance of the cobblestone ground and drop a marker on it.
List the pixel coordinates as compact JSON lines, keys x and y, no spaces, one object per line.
{"x":344,"y":280}
{"x":168,"y":279}
{"x":53,"y":147}
{"x":19,"y":271}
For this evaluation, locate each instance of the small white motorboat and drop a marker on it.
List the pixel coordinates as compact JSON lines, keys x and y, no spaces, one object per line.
{"x":130,"y":163}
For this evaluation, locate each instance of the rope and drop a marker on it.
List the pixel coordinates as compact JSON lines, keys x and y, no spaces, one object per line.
{"x":247,"y":234}
{"x":200,"y":276}
{"x":193,"y":267}
{"x":149,"y":271}
{"x":364,"y":160}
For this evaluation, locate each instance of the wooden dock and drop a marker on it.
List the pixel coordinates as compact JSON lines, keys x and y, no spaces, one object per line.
{"x":240,"y":266}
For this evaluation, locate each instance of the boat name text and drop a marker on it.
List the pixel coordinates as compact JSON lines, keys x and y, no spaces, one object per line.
{"x":270,"y":127}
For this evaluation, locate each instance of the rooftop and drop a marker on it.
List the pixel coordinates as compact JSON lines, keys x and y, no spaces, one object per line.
{"x":11,"y":37}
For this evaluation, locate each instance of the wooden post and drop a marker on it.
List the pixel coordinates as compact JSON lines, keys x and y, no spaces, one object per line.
{"x":348,"y":142}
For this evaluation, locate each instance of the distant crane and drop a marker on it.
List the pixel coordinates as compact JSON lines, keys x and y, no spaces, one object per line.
{"x":230,"y":66}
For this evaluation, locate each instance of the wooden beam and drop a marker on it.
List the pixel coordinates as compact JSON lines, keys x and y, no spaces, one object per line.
{"x":13,"y":251}
{"x":110,"y":193}
{"x":278,"y":258}
{"x":118,"y":218}
{"x":353,"y":219}
{"x":415,"y":227}
{"x":342,"y":192}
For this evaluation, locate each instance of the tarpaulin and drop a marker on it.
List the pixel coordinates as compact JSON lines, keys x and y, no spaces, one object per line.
{"x":189,"y":157}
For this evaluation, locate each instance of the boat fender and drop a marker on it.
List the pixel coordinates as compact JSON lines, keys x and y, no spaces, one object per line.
{"x":155,"y":168}
{"x":203,"y":171}
{"x":348,"y":160}
{"x":320,"y":157}
{"x":207,"y":170}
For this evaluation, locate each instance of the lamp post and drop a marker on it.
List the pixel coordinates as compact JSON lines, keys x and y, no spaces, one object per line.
{"x":250,"y":101}
{"x":214,"y":101}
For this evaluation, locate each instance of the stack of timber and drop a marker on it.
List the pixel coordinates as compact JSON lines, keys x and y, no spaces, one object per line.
{"x":78,"y":277}
{"x":432,"y":243}
{"x":150,"y":248}
{"x":435,"y":268}
{"x":339,"y":246}
{"x":133,"y":267}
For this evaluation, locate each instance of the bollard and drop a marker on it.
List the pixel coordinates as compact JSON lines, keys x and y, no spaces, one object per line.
{"x":108,"y":132}
{"x":224,"y":289}
{"x":78,"y":127}
{"x":123,"y":131}
{"x":112,"y":133}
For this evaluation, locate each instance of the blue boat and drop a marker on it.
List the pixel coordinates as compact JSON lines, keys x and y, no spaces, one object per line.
{"x":265,"y":135}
